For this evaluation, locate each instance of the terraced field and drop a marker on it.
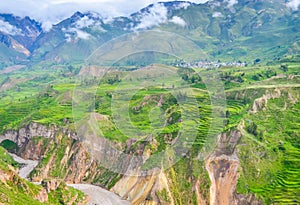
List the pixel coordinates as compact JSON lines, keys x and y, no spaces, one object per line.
{"x":274,"y":173}
{"x":166,"y":106}
{"x":287,"y":184}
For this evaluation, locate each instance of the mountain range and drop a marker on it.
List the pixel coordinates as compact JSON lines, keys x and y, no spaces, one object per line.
{"x":218,"y":124}
{"x":246,"y":30}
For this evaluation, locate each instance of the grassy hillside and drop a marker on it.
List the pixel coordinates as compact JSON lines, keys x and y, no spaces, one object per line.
{"x":268,"y":150}
{"x":15,"y":190}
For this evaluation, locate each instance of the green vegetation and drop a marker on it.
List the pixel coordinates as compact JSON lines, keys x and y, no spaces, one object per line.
{"x":269,"y":148}
{"x":6,"y":159}
{"x":9,"y":146}
{"x":54,"y":151}
{"x":272,"y":171}
{"x":146,"y":108}
{"x":64,"y":195}
{"x":17,"y":191}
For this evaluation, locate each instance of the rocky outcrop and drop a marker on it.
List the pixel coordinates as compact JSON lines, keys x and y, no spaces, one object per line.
{"x":143,"y":189}
{"x":222,"y":166}
{"x":24,"y":134}
{"x":200,"y":199}
{"x":53,"y":145}
{"x":247,"y":200}
{"x":75,"y":164}
{"x":261,"y":103}
{"x":73,"y":161}
{"x":6,"y":176}
{"x":136,"y":188}
{"x":50,"y":185}
{"x":42,"y":196}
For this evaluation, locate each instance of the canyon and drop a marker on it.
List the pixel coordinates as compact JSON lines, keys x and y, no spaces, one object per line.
{"x":81,"y":169}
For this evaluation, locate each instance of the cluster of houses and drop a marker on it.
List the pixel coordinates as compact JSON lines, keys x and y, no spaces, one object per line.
{"x":211,"y":64}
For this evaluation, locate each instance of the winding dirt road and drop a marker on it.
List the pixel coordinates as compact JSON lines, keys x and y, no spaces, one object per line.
{"x":27,"y":165}
{"x":98,"y":195}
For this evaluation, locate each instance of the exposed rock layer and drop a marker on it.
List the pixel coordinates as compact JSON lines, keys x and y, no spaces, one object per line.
{"x":222,"y":166}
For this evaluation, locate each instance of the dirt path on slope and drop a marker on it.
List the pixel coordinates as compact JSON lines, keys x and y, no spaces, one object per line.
{"x":27,"y":165}
{"x":99,"y":196}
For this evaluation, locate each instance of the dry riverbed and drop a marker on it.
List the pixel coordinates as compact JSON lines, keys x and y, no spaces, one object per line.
{"x":98,"y":195}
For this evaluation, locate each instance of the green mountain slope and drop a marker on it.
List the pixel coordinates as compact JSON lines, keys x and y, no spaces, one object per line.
{"x":244,"y":31}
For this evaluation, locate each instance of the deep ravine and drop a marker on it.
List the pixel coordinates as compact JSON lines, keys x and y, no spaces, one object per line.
{"x":97,"y":195}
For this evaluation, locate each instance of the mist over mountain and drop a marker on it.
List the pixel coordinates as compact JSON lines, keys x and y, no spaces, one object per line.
{"x":225,"y":30}
{"x":172,"y":103}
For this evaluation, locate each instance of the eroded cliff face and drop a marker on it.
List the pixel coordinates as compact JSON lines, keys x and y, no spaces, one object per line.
{"x":24,"y":134}
{"x":143,"y":189}
{"x":64,"y":157}
{"x":223,"y":165}
{"x":67,"y":159}
{"x":12,"y":182}
{"x":262,"y":102}
{"x":70,"y":160}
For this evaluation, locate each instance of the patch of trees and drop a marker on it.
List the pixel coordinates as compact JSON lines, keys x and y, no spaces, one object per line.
{"x":284,"y":68}
{"x":252,"y":128}
{"x":113,"y":80}
{"x":74,"y":69}
{"x":255,"y":77}
{"x":267,"y":74}
{"x":270,"y":73}
{"x":189,"y":75}
{"x":181,"y":96}
{"x":229,"y":77}
{"x":256,"y":61}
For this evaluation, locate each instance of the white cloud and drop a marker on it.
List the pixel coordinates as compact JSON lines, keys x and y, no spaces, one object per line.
{"x":215,"y":4}
{"x":230,"y":3}
{"x":183,"y":5}
{"x":81,"y":34}
{"x":294,"y":4}
{"x":178,"y":20}
{"x":217,"y":15}
{"x":76,"y":29}
{"x":156,"y":15}
{"x":68,"y":37}
{"x":84,"y":22}
{"x":77,"y":32}
{"x":7,"y":28}
{"x":47,"y":25}
{"x":50,"y":12}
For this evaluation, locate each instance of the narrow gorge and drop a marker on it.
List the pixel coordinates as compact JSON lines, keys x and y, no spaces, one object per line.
{"x":61,"y":155}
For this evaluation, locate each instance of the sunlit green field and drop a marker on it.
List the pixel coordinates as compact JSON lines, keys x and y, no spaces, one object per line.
{"x":161,"y":101}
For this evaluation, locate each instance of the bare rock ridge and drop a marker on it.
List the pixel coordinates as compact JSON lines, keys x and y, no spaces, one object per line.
{"x":21,"y":136}
{"x":77,"y":165}
{"x":222,"y":166}
{"x":261,"y":103}
{"x":96,"y":194}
